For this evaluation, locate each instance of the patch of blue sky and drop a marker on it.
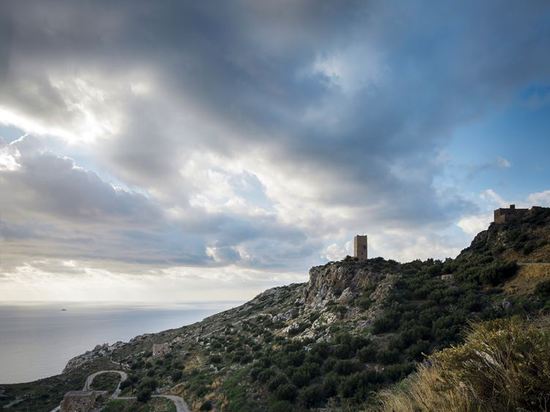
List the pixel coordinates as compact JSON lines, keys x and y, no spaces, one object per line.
{"x":508,"y":150}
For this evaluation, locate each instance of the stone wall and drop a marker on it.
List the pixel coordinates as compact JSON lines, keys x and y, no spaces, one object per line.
{"x":79,"y":401}
{"x":505,"y":215}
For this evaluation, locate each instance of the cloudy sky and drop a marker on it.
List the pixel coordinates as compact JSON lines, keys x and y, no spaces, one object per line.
{"x":205,"y":150}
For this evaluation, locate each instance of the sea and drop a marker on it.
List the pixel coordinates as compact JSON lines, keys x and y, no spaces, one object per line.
{"x":37,"y":340}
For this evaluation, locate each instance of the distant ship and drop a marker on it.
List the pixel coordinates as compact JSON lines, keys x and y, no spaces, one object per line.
{"x":63,"y":310}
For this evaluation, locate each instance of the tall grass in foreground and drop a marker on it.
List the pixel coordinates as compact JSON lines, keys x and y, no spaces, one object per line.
{"x":504,"y":365}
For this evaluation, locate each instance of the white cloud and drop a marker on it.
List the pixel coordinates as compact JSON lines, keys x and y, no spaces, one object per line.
{"x":539,"y":198}
{"x":9,"y":156}
{"x":337,"y":251}
{"x":78,"y":110}
{"x":352,"y":69}
{"x":492,"y":199}
{"x":474,"y":224}
{"x":503,"y":163}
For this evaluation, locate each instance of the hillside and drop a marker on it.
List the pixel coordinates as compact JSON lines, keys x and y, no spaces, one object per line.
{"x":353,"y":329}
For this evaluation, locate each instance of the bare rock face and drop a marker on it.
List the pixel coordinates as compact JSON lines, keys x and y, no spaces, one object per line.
{"x":100,"y":351}
{"x":160,"y":349}
{"x":342,"y":281}
{"x":96,"y":353}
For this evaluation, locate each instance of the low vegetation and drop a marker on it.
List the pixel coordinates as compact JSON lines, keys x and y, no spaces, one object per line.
{"x":106,"y":382}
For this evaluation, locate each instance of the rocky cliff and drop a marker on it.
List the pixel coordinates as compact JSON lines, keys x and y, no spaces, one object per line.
{"x":342,"y":282}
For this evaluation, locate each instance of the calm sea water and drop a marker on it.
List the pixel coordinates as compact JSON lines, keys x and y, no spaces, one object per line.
{"x":37,"y":340}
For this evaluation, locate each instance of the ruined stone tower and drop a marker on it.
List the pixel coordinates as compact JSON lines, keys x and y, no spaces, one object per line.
{"x":506,"y":215}
{"x":360,"y":249}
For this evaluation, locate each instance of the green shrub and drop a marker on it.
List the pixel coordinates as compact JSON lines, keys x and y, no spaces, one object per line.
{"x":364,"y":302}
{"x":330,"y":385}
{"x":281,"y":406}
{"x":277,"y":381}
{"x":346,"y":367}
{"x":266,"y":375}
{"x":206,"y":406}
{"x":393,"y":373}
{"x":144,"y":395}
{"x":312,"y":396}
{"x":176,"y":375}
{"x":328,"y":365}
{"x":355,"y":386}
{"x":387,"y":356}
{"x":367,"y":353}
{"x":498,"y":273}
{"x":302,"y":375}
{"x":216,"y":359}
{"x":384,"y":324}
{"x":543,"y":289}
{"x":286,"y":392}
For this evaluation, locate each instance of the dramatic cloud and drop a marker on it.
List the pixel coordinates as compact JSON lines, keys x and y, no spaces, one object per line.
{"x":256,"y":136}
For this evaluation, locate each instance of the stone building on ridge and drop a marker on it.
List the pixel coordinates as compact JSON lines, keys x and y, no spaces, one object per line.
{"x":505,"y":215}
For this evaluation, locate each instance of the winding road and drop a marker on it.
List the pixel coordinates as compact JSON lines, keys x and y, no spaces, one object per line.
{"x":178,"y":402}
{"x":90,"y":379}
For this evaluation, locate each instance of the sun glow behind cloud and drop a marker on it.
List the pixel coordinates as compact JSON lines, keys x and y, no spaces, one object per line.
{"x":80,"y":281}
{"x":178,"y":160}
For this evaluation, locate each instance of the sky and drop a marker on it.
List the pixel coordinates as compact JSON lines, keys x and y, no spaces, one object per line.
{"x":182,"y":151}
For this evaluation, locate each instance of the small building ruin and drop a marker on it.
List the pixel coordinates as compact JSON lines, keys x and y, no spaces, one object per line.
{"x":81,"y":401}
{"x":160,"y":349}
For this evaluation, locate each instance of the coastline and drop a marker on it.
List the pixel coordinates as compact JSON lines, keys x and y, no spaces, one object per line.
{"x":39,"y":339}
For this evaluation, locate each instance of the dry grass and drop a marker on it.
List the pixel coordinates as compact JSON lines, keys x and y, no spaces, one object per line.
{"x":528,"y":277}
{"x":504,"y":365}
{"x":541,"y":254}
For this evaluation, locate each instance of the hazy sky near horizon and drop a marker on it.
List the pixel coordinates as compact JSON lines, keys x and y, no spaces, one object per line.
{"x":192,"y":151}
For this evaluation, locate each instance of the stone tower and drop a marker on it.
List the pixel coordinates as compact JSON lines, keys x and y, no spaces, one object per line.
{"x":360,"y":249}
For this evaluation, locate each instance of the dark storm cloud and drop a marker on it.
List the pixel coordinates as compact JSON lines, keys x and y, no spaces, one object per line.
{"x":354,"y":99}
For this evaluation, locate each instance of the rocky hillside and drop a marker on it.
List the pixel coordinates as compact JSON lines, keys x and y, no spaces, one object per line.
{"x":353,"y":329}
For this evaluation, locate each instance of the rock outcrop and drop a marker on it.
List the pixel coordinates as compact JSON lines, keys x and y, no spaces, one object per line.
{"x":99,"y":352}
{"x":343,"y":281}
